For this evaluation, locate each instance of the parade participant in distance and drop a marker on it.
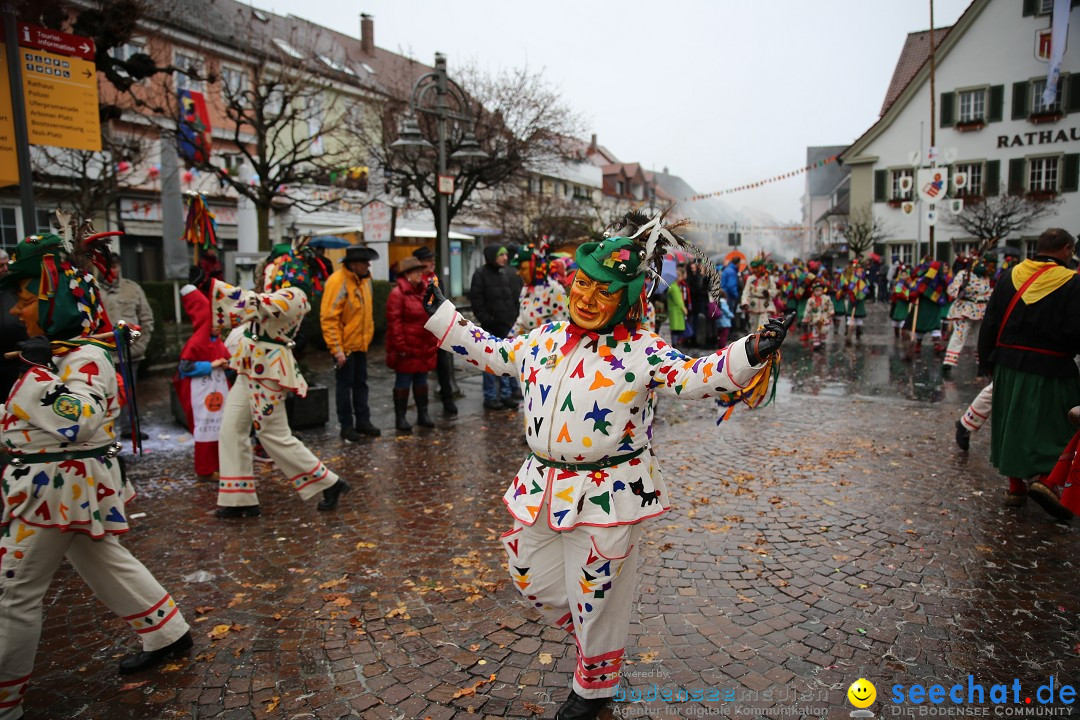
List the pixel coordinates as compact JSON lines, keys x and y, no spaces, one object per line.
{"x":1029,"y":339}
{"x":266,"y":373}
{"x":580,"y":497}
{"x":63,"y":492}
{"x":758,"y":294}
{"x":969,"y":290}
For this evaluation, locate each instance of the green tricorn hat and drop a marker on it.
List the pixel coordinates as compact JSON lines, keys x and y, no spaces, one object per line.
{"x":617,"y":261}
{"x":27,"y":258}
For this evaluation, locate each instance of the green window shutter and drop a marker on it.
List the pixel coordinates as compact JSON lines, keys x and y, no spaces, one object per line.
{"x":1016,"y":176}
{"x":947,"y":100}
{"x":881,"y":183}
{"x":997,"y":103}
{"x":1072,"y":93}
{"x":1070,"y":176}
{"x":1029,"y":7}
{"x":1020,"y":100}
{"x":992,"y":178}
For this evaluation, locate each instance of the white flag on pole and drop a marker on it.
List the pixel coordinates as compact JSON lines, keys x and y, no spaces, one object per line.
{"x":1059,"y":31}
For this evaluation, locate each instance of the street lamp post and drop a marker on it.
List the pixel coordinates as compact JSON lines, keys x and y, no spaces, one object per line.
{"x":438,"y":84}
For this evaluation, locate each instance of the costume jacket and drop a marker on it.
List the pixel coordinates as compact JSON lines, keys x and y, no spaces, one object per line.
{"x":201,"y":388}
{"x":70,"y":410}
{"x":409,"y":347}
{"x":264,"y":353}
{"x":758,"y":293}
{"x":589,"y":412}
{"x":1042,"y":334}
{"x":819,"y":310}
{"x":969,"y":302}
{"x":541,"y":303}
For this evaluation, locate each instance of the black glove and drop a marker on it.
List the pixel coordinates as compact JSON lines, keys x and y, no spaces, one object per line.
{"x":759,"y":347}
{"x":433,"y":298}
{"x":36,"y":351}
{"x":198,"y":277}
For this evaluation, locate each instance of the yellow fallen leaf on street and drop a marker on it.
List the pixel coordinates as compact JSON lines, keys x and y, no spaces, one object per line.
{"x":272,"y":705}
{"x":218,"y":632}
{"x":471,"y":690}
{"x":546,"y":659}
{"x":364,"y":545}
{"x":171,"y":667}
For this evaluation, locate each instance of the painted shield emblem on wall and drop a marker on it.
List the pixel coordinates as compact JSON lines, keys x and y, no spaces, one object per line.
{"x":908,"y":207}
{"x":931,"y":183}
{"x":956,"y":206}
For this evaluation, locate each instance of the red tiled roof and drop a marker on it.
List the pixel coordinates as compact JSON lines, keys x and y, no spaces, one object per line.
{"x":914,"y":55}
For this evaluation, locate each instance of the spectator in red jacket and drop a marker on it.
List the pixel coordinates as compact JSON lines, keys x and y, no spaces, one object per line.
{"x":410,"y":349}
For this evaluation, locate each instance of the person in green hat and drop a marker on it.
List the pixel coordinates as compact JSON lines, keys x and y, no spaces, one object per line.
{"x":64,"y":494}
{"x":591,"y":478}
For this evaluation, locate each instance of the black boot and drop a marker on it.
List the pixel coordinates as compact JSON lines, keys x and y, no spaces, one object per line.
{"x":963,"y":436}
{"x":235,"y":511}
{"x":420,"y":394}
{"x":579,"y":708}
{"x":332,"y":494}
{"x":151,"y":658}
{"x":858,"y":332}
{"x":401,"y":405}
{"x":449,"y":409}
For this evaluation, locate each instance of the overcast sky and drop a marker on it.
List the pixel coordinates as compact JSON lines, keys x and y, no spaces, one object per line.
{"x":722,"y":92}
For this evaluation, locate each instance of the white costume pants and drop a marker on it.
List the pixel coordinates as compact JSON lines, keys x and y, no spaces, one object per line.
{"x":29,"y":556}
{"x":583,"y":581}
{"x":979,"y":410}
{"x":961,"y":330}
{"x":250,"y":403}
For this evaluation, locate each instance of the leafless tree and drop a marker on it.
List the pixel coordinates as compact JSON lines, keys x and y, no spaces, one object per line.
{"x":999,"y":216}
{"x":863,"y":230}
{"x":519,"y":120}
{"x":288,"y":121}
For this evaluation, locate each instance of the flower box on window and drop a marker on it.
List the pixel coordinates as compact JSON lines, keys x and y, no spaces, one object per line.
{"x":972,"y":199}
{"x":897,"y":202}
{"x":1045,"y":117}
{"x":1041,"y":195}
{"x":970,"y":125}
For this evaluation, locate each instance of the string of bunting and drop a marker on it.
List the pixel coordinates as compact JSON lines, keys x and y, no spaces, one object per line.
{"x":751,"y":186}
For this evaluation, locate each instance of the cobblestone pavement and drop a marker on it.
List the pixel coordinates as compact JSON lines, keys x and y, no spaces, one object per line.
{"x":836,"y":534}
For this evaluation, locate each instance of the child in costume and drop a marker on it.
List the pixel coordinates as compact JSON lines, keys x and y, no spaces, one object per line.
{"x":64,"y":495}
{"x":758,"y":294}
{"x":543,"y":298}
{"x":818,"y":313}
{"x":266,"y":372}
{"x":851,"y":288}
{"x":969,"y":290}
{"x":200,"y":382}
{"x":591,"y":478}
{"x":900,"y":297}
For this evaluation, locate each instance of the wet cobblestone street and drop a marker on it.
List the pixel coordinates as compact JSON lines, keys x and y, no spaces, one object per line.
{"x":835,"y":534}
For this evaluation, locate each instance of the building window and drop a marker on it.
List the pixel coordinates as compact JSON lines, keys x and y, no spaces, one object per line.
{"x":189,"y":68}
{"x":126,"y":51}
{"x":1037,"y":89}
{"x":972,"y":106}
{"x":9,"y":231}
{"x":44,"y":220}
{"x":1046,"y":7}
{"x":905,"y":252}
{"x":1042,"y":174}
{"x":233,"y":86}
{"x":1029,"y":248}
{"x":974,"y":187}
{"x":964,"y":247}
{"x":618,"y":187}
{"x":897,"y":178}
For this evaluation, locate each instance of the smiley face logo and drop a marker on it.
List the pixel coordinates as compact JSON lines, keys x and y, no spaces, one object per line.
{"x":862,"y":693}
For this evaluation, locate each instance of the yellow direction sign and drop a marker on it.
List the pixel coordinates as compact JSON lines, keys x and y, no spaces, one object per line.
{"x":9,"y":165}
{"x":61,"y":100}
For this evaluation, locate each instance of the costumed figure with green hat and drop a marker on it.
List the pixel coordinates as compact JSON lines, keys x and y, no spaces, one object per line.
{"x":758,"y":293}
{"x":64,"y":492}
{"x":266,"y":373}
{"x":969,"y":291}
{"x":543,"y":298}
{"x":851,"y":287}
{"x":929,"y":293}
{"x":805,"y":290}
{"x":900,"y":297}
{"x":818,"y":313}
{"x":579,"y":500}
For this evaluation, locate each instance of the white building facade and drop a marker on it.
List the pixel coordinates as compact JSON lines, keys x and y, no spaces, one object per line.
{"x":990,"y":124}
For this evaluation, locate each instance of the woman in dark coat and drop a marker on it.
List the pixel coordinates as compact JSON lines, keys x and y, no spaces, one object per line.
{"x":410,"y":349}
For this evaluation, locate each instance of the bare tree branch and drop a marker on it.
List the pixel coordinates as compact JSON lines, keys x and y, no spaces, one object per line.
{"x":999,"y":216}
{"x":863,"y":230}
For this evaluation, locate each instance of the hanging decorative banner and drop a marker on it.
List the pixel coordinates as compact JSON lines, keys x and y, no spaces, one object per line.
{"x":959,"y":180}
{"x":760,"y":183}
{"x":193,"y":129}
{"x":930,"y":183}
{"x":931,"y":215}
{"x":905,"y":183}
